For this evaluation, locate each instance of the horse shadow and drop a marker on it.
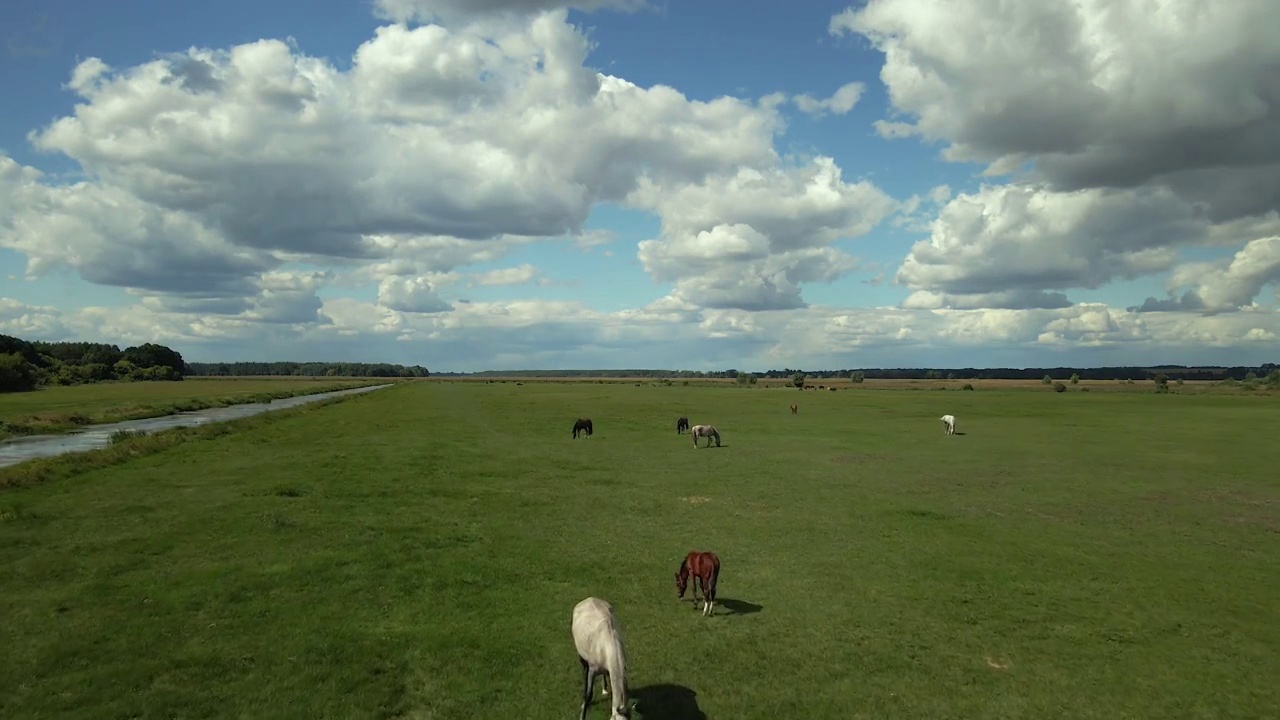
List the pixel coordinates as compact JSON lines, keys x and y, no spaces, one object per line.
{"x":737,"y":607}
{"x":957,"y":433}
{"x":669,"y":702}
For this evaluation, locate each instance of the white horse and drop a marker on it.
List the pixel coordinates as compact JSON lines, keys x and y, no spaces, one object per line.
{"x":598,"y":639}
{"x":706,"y":431}
{"x":949,"y":424}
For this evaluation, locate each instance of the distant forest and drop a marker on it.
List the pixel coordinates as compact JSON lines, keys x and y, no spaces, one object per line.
{"x":1199,"y":372}
{"x":26,"y":365}
{"x":310,"y":369}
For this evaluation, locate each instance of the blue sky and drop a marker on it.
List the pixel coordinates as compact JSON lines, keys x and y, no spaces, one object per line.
{"x":632,"y":183}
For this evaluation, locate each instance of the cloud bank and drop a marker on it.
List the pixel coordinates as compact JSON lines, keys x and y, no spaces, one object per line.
{"x":258,"y":202}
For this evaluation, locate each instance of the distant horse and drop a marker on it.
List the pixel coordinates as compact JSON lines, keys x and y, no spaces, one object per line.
{"x":598,"y":639}
{"x":682,"y":424}
{"x":584,"y":426}
{"x":706,"y":431}
{"x":949,"y":424}
{"x":705,"y":569}
{"x":794,"y":408}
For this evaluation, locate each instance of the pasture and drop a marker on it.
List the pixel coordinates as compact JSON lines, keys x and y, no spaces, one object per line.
{"x":417,"y":552}
{"x":61,"y":407}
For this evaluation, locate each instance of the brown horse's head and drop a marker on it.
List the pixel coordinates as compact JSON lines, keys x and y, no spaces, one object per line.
{"x":682,"y":579}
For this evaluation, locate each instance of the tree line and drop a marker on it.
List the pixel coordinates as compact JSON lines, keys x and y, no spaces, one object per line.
{"x":26,"y":365}
{"x":308,"y":369}
{"x":1118,"y":372}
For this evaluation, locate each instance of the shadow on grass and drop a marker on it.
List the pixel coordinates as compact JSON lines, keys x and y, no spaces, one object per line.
{"x":738,"y":607}
{"x":669,"y":702}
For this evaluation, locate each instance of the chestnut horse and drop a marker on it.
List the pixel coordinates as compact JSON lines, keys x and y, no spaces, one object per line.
{"x":705,"y":569}
{"x":682,"y":424}
{"x":583,"y":425}
{"x":794,"y":408}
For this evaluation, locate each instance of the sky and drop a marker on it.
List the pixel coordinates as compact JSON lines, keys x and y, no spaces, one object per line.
{"x":544,"y":184}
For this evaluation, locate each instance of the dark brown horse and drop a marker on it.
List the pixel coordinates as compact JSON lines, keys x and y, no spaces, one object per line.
{"x":582,"y":426}
{"x":705,"y":569}
{"x":682,"y":424}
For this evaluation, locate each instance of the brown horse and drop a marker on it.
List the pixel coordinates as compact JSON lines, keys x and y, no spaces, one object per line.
{"x":794,"y":408}
{"x":705,"y":569}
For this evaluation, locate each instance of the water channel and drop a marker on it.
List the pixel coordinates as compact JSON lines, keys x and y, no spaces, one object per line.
{"x":30,"y":447}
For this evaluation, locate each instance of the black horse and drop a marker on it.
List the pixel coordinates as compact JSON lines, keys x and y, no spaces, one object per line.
{"x":681,"y":425}
{"x":584,"y":426}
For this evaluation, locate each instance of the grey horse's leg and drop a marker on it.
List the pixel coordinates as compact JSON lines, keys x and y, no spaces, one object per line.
{"x":588,"y":681}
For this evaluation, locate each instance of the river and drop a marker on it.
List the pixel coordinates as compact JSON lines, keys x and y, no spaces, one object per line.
{"x":30,"y":447}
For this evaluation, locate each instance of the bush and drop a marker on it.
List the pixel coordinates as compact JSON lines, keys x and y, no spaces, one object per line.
{"x":1059,"y":387}
{"x":967,"y":386}
{"x":123,"y":435}
{"x":1046,"y":380}
{"x":1075,"y":378}
{"x":16,"y":374}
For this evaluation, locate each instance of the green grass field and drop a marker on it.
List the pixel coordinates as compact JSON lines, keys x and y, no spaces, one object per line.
{"x":62,"y":407}
{"x":416,"y":553}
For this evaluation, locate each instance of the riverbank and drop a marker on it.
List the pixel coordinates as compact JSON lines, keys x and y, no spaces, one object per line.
{"x":124,"y":445}
{"x":64,"y":408}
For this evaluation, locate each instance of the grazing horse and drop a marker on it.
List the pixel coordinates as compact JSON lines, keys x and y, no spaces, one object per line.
{"x":705,"y":569}
{"x":794,"y":408}
{"x":599,"y":643}
{"x":706,"y":431}
{"x":682,"y":424}
{"x":582,"y":426}
{"x":949,"y":424}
